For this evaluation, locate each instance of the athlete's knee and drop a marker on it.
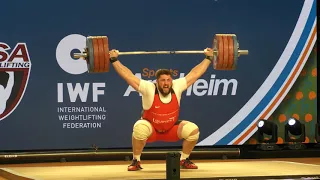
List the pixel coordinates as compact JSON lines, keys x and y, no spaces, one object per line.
{"x":190,"y":131}
{"x":142,"y":129}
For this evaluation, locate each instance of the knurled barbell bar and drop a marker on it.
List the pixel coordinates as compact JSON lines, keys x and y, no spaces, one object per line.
{"x":225,"y":46}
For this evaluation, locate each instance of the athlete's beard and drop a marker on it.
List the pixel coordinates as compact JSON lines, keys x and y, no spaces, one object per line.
{"x":165,"y":93}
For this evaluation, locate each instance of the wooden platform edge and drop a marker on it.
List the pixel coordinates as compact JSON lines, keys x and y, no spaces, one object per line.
{"x":10,"y":174}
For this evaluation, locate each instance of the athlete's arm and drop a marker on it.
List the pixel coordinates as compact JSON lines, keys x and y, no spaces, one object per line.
{"x":200,"y":69}
{"x":123,"y":71}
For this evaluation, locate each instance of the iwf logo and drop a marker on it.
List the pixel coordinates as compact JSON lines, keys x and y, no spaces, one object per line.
{"x":15,"y":66}
{"x":64,"y":49}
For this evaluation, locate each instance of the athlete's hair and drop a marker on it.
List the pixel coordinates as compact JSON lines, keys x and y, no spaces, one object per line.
{"x":160,"y":72}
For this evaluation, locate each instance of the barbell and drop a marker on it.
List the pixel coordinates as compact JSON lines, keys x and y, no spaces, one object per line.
{"x":225,"y":47}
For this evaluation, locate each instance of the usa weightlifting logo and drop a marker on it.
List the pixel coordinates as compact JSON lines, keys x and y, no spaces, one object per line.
{"x":15,"y":66}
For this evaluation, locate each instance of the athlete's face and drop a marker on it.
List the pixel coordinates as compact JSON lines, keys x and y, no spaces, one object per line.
{"x":164,"y":84}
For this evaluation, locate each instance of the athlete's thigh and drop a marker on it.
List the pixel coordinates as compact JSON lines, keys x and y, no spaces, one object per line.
{"x":153,"y":136}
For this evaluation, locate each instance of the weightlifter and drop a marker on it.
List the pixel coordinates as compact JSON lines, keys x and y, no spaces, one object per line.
{"x":161,"y":106}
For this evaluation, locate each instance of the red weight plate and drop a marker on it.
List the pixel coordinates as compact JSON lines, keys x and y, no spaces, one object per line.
{"x":220,"y":58}
{"x":106,"y":54}
{"x":231,"y":52}
{"x":101,"y":54}
{"x":225,"y":51}
{"x":96,"y":54}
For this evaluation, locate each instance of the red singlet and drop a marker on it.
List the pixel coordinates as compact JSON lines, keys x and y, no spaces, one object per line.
{"x":161,"y":115}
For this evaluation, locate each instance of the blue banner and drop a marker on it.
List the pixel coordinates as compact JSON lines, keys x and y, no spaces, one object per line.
{"x":49,"y":101}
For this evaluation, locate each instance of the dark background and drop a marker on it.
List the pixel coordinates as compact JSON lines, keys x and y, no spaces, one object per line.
{"x":262,"y":27}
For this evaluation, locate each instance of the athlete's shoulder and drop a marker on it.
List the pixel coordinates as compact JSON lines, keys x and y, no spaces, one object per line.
{"x":179,"y":85}
{"x":181,"y":82}
{"x":146,"y":87}
{"x":145,"y":82}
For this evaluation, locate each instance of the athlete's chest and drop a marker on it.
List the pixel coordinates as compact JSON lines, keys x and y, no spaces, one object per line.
{"x":167,"y":104}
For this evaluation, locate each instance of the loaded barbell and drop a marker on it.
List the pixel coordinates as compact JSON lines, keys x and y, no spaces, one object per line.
{"x":225,"y":47}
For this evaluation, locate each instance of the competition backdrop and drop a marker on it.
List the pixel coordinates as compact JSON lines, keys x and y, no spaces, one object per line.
{"x":49,"y":101}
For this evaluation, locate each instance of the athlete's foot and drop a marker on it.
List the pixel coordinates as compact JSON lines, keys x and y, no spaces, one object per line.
{"x":135,"y":165}
{"x":187,"y":164}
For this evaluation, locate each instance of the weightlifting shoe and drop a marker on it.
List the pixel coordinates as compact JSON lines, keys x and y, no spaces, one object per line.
{"x":187,"y":164}
{"x":135,"y":165}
